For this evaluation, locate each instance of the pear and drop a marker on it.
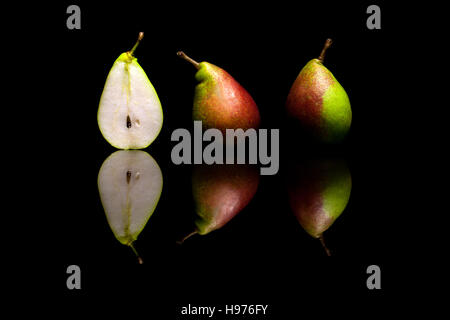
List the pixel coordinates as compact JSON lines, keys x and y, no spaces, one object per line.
{"x":319,"y":191}
{"x":319,"y":102}
{"x":130,"y":114}
{"x":220,"y":101}
{"x":130,"y":185}
{"x":220,"y":192}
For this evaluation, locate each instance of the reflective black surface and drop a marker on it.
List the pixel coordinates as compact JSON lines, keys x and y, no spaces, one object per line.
{"x":262,"y":255}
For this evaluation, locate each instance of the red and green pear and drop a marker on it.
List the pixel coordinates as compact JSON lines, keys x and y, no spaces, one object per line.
{"x":220,"y":101}
{"x":220,"y":192}
{"x":319,"y":191}
{"x":319,"y":103}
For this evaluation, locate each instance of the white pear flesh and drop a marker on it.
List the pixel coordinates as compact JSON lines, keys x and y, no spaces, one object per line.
{"x":130,"y":184}
{"x":130,"y":114}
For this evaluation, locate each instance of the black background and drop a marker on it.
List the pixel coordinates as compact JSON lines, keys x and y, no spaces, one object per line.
{"x":262,"y":256}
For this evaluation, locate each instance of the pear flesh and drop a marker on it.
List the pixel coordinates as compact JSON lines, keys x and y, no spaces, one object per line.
{"x":130,"y":184}
{"x":130,"y":114}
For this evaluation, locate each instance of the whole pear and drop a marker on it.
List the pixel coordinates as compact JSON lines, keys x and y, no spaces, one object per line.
{"x":220,"y":101}
{"x":319,"y":102}
{"x":319,"y":190}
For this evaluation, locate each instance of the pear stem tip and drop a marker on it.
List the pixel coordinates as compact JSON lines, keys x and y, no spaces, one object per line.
{"x":140,"y":37}
{"x":136,"y":253}
{"x":327,"y":44}
{"x":322,"y":241}
{"x":182,"y":55}
{"x":187,"y":237}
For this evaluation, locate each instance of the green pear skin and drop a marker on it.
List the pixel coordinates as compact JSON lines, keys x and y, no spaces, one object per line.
{"x":319,"y":191}
{"x":220,"y":101}
{"x":319,"y":102}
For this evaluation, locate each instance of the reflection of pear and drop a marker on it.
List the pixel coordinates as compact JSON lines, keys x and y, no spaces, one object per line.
{"x":220,"y":192}
{"x":318,"y":193}
{"x":130,"y":184}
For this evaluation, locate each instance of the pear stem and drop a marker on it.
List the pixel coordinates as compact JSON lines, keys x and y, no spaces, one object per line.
{"x":131,"y":245}
{"x":183,"y":55}
{"x":187,"y":237}
{"x":141,"y":35}
{"x":327,"y":44}
{"x":322,"y":241}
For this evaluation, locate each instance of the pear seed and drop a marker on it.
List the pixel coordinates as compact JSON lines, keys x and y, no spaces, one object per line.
{"x":128,"y":122}
{"x":128,"y":176}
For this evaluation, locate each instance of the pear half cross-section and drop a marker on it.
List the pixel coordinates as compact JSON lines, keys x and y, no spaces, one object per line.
{"x":130,"y":114}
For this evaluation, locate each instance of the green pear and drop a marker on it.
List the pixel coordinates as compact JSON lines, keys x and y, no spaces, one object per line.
{"x":220,"y":192}
{"x":220,"y":101}
{"x":130,"y":114}
{"x":319,"y":191}
{"x":319,"y":102}
{"x":130,"y":184}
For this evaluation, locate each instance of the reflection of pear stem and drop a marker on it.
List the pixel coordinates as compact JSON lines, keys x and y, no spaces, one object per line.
{"x":328,"y":43}
{"x":136,"y":253}
{"x":322,"y":241}
{"x":183,"y":55}
{"x":141,"y":35}
{"x":187,"y":237}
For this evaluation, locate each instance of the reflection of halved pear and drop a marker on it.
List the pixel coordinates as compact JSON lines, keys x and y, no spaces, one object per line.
{"x":130,"y":184}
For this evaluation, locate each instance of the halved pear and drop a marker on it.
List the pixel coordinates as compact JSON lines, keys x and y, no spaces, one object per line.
{"x":130,"y":114}
{"x":130,"y":184}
